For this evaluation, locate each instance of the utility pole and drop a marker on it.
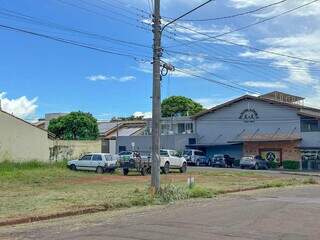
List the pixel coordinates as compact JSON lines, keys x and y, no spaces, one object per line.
{"x":156,"y":92}
{"x":156,"y":98}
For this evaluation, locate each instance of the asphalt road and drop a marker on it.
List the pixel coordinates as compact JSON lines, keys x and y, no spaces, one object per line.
{"x":286,"y":214}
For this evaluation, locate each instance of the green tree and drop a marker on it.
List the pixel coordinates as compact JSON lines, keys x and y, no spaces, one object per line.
{"x":75,"y":126}
{"x":179,"y":105}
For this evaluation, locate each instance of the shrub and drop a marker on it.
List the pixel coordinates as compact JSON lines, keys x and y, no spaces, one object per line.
{"x":171,"y":193}
{"x":292,"y":165}
{"x":273,"y":165}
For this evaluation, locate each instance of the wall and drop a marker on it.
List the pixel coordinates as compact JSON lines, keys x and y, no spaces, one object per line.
{"x":20,"y":141}
{"x":289,"y":149}
{"x":143,"y":143}
{"x":310,"y":139}
{"x":66,"y":150}
{"x":224,"y":125}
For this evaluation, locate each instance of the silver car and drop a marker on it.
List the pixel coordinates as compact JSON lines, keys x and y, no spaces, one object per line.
{"x":98,"y":162}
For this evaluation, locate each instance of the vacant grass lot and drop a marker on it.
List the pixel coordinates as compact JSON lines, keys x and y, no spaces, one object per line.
{"x":35,"y":189}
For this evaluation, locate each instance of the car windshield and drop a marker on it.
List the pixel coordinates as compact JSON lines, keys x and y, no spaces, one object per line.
{"x":187,"y":152}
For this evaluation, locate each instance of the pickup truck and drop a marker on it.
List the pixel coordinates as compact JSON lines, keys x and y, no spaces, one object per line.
{"x":169,"y":159}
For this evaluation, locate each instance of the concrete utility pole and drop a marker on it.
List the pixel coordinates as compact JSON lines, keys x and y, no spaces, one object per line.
{"x":156,"y":98}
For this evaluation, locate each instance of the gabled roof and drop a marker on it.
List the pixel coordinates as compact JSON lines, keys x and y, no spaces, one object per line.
{"x":261,"y":98}
{"x":50,"y":134}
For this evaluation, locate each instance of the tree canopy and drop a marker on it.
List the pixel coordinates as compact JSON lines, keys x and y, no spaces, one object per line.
{"x":179,"y":105}
{"x":75,"y":126}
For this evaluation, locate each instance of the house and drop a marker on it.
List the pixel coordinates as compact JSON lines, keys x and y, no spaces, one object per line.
{"x":110,"y":131}
{"x":22,"y":141}
{"x":44,"y":122}
{"x":275,"y":125}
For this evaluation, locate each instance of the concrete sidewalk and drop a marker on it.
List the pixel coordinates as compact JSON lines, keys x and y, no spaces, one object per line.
{"x":286,"y":214}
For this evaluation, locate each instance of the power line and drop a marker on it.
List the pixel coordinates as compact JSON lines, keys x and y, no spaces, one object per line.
{"x":219,"y":77}
{"x":211,"y":80}
{"x":70,"y":42}
{"x":185,"y":14}
{"x":235,"y":15}
{"x":237,"y":44}
{"x":68,"y":29}
{"x":261,"y":21}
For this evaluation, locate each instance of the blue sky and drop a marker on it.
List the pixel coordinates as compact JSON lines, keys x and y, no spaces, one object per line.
{"x":40,"y":75}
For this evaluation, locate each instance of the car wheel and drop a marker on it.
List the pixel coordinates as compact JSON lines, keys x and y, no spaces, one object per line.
{"x":183,"y":169}
{"x":198,"y":163}
{"x":99,"y":170}
{"x":256,"y":166}
{"x":242,"y":167}
{"x":166,"y":168}
{"x":209,"y":164}
{"x":73,"y":167}
{"x":125,"y":171}
{"x":144,"y":171}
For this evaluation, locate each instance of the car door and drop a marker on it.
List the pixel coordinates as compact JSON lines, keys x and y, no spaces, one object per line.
{"x":84,"y":163}
{"x":175,"y":158}
{"x":96,"y":161}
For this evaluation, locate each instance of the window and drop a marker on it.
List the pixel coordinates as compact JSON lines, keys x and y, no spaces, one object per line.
{"x":164,"y":153}
{"x":96,"y":157}
{"x":199,"y":153}
{"x":86,"y":157}
{"x":187,"y":152}
{"x":181,"y":128}
{"x":189,"y":127}
{"x":122,"y":148}
{"x":309,"y":125}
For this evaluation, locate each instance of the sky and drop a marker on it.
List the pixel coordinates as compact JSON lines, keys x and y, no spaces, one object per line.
{"x":39,"y":75}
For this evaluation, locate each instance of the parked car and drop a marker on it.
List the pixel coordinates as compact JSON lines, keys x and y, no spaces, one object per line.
{"x":196,"y":157}
{"x":98,"y":162}
{"x":171,"y":159}
{"x":253,"y":162}
{"x":222,"y":160}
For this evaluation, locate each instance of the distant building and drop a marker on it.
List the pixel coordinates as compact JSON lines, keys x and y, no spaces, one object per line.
{"x":43,"y":123}
{"x":275,"y":125}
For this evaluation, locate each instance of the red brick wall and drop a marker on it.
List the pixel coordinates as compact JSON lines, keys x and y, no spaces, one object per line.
{"x":289,"y":149}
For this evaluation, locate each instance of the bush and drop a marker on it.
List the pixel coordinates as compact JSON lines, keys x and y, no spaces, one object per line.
{"x":273,"y":165}
{"x":171,"y":193}
{"x":9,"y":166}
{"x":292,"y":165}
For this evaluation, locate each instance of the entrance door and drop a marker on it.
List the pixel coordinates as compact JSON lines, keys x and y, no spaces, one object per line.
{"x":272,"y":155}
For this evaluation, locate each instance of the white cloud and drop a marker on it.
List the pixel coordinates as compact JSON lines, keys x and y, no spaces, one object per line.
{"x":256,"y":84}
{"x":101,"y":77}
{"x":21,"y":107}
{"x":143,"y":114}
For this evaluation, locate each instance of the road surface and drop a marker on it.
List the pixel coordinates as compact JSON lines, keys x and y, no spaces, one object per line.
{"x":286,"y":214}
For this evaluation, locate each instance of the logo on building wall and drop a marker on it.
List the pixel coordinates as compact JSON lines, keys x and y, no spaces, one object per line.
{"x":249,"y":115}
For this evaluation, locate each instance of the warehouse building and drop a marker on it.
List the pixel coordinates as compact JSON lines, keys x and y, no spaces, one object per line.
{"x":276,"y":126}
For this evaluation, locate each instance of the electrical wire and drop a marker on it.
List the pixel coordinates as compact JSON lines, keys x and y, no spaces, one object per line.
{"x":71,"y":42}
{"x":235,"y":15}
{"x":261,"y":21}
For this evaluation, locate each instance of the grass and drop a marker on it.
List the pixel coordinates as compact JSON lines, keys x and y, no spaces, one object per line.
{"x":35,"y":189}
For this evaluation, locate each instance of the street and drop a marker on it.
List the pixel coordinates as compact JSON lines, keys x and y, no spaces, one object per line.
{"x":287,"y":213}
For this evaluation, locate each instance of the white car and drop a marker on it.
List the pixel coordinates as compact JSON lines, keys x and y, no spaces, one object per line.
{"x":170,"y":159}
{"x":98,"y":162}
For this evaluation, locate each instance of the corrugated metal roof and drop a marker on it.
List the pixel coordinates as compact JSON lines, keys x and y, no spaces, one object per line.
{"x":125,"y":131}
{"x":106,"y":126}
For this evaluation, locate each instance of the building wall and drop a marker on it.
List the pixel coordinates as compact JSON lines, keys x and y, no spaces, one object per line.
{"x":69,"y":149}
{"x":20,"y":141}
{"x":289,"y":149}
{"x":224,"y":125}
{"x":143,"y":143}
